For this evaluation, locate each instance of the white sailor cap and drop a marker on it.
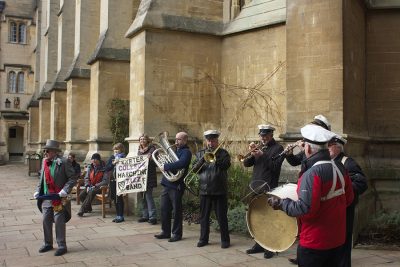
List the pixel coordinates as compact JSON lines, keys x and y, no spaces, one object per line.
{"x":316,"y":135}
{"x":265,"y":129}
{"x":322,"y":121}
{"x":210,"y":134}
{"x":338,"y":139}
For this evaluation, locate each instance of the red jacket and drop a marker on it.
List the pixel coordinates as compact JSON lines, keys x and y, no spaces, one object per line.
{"x":321,"y":213}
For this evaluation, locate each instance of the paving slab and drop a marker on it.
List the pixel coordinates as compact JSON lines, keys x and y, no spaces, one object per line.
{"x":96,"y":241}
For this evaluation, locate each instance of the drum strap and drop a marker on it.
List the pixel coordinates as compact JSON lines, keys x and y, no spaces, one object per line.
{"x":336,"y":172}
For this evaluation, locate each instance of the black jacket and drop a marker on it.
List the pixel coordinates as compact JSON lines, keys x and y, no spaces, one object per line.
{"x":296,"y":160}
{"x":265,"y":168}
{"x":358,"y":178}
{"x":213,"y":176}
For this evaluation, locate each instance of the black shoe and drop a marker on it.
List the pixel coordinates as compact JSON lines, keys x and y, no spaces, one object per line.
{"x":45,"y":248}
{"x":80,"y":214}
{"x":202,"y":244}
{"x":162,"y":236}
{"x":225,"y":244}
{"x":142,"y":220}
{"x":294,"y":261}
{"x":175,"y":238}
{"x":153,"y":221}
{"x":268,"y":254}
{"x":60,"y":252}
{"x":255,"y":249}
{"x":120,"y":219}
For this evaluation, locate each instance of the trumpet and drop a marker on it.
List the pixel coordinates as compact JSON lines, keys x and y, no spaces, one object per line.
{"x":289,"y":148}
{"x":241,"y":157}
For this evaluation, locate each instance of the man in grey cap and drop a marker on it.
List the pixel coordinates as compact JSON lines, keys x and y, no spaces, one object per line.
{"x":213,"y":187}
{"x":56,"y":181}
{"x":324,"y":191}
{"x":265,"y":169}
{"x":359,"y":183}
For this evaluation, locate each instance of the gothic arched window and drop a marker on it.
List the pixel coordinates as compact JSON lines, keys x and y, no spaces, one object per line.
{"x":17,"y":32}
{"x":13,"y":32}
{"x":22,"y":33}
{"x":12,"y":82}
{"x":21,"y":82}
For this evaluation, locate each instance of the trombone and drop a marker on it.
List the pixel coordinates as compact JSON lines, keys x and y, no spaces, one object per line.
{"x":208,"y":157}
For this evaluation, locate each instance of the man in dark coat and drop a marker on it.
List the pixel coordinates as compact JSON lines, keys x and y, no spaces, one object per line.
{"x":265,"y":168}
{"x":172,"y":193}
{"x":213,"y":187}
{"x":360,"y":185}
{"x":56,"y":181}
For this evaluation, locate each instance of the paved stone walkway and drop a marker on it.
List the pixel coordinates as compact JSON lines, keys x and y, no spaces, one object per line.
{"x":94,"y":241}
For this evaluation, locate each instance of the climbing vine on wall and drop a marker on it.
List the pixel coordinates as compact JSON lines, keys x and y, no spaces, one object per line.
{"x":118,"y":112}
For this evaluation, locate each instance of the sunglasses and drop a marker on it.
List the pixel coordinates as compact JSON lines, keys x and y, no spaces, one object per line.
{"x":46,"y":150}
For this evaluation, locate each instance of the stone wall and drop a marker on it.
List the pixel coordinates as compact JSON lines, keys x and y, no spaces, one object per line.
{"x":253,"y":82}
{"x":383,"y":101}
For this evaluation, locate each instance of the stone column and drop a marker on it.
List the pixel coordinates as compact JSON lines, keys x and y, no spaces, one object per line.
{"x":173,"y":65}
{"x":44,"y":120}
{"x":48,"y":66}
{"x":314,"y":63}
{"x":109,"y":71}
{"x":33,"y":129}
{"x":57,"y":115}
{"x":87,"y":27}
{"x":65,"y":52}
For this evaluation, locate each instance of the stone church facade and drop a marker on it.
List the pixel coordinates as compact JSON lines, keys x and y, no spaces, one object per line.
{"x":226,"y":64}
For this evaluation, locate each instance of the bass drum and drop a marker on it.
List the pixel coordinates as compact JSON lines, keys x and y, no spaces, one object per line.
{"x":272,"y":229}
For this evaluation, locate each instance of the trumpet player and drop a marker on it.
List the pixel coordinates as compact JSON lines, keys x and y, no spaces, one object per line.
{"x":264,"y":168}
{"x":295,"y":160}
{"x":213,"y":176}
{"x":171,"y":195}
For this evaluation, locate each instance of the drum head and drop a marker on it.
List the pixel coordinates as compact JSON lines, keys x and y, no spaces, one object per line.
{"x":272,"y":229}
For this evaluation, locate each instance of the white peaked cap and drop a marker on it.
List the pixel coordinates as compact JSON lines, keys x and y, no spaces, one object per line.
{"x":315,"y":134}
{"x":266,"y":127}
{"x":324,"y":120}
{"x":339,"y":139}
{"x":212,"y":132}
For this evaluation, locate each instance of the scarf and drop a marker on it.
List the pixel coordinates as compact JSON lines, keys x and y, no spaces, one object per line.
{"x":49,"y":185}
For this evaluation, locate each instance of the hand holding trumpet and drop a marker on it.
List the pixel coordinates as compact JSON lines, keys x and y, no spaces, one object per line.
{"x":254,"y":150}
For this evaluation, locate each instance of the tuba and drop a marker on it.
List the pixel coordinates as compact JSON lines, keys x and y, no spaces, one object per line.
{"x":165,"y":154}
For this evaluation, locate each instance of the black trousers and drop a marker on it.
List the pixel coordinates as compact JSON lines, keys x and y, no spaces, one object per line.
{"x":346,"y":260}
{"x":307,"y":257}
{"x":87,"y":199}
{"x":220,"y":204}
{"x":119,"y":200}
{"x":171,"y":199}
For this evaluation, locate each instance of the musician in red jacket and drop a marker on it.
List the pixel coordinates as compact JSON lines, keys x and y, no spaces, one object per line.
{"x":94,"y":179}
{"x":324,"y":190}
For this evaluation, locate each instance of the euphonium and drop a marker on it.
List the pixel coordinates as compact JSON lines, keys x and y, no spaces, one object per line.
{"x":165,"y":154}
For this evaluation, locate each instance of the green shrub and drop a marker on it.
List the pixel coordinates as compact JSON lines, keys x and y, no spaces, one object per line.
{"x":238,"y":185}
{"x":118,"y":113}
